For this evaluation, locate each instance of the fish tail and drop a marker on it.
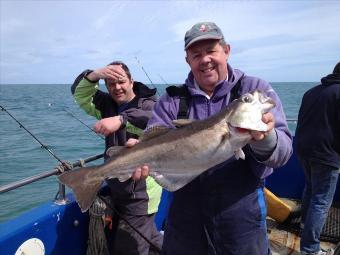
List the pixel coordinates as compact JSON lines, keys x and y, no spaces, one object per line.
{"x":85,"y":188}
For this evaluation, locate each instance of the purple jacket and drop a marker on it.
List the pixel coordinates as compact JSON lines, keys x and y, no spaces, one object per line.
{"x":201,"y":107}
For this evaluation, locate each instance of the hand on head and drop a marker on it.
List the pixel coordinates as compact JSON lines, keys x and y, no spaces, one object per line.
{"x":267,"y":118}
{"x":112,"y":72}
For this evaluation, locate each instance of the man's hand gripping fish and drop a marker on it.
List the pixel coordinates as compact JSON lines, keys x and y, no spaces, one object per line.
{"x":177,"y":156}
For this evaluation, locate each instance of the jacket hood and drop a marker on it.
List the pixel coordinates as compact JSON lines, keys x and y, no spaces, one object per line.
{"x":142,"y":90}
{"x":331,"y":79}
{"x":222,"y":89}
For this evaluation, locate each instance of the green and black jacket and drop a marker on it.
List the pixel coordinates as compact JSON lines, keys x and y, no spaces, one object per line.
{"x":130,"y":197}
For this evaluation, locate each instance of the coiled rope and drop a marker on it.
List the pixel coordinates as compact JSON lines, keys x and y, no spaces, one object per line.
{"x":96,"y":243}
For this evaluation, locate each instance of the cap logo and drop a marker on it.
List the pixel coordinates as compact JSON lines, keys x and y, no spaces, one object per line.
{"x":203,"y":28}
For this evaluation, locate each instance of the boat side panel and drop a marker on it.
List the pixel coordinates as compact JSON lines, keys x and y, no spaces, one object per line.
{"x":63,"y":229}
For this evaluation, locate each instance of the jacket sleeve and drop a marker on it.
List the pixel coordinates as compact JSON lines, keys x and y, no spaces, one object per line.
{"x":281,"y":150}
{"x":139,"y":116}
{"x":165,"y":111}
{"x":83,"y":91}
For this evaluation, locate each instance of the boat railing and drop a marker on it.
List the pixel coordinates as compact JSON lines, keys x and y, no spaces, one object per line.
{"x":294,"y":120}
{"x":60,"y":198}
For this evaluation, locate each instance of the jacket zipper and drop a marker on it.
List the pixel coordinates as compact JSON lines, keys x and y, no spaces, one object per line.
{"x":133,"y":189}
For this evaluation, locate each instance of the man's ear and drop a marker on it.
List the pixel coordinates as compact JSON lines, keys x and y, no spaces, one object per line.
{"x":186,"y":59}
{"x":226,"y":49}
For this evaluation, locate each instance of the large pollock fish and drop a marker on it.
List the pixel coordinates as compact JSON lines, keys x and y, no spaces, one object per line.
{"x":177,"y":156}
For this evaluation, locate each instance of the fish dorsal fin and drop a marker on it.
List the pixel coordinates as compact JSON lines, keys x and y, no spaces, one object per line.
{"x":114,"y":150}
{"x":154,"y":132}
{"x":182,"y":122}
{"x":172,"y":181}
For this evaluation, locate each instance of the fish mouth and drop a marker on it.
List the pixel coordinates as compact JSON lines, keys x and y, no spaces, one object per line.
{"x":248,"y":127}
{"x":242,"y":130}
{"x":239,"y":130}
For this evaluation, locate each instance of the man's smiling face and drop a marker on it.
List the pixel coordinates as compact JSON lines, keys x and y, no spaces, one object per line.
{"x":121,"y":90}
{"x":208,"y":62}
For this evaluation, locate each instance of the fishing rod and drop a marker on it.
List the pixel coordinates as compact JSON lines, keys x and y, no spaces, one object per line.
{"x":72,"y":115}
{"x":32,"y":135}
{"x":147,"y":75}
{"x":46,"y":174}
{"x":57,"y":170}
{"x":60,"y":197}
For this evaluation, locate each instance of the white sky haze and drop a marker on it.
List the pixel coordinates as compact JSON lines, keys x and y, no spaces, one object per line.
{"x":53,"y":41}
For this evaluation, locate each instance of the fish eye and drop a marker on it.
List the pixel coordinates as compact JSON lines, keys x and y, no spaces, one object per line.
{"x":247,"y":98}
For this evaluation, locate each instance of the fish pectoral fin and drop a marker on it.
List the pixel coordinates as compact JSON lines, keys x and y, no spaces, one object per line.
{"x":240,"y":154}
{"x":173,"y":181}
{"x":154,"y":132}
{"x":114,"y":150}
{"x":182,"y":122}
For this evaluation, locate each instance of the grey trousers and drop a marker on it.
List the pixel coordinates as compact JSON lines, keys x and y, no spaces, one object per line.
{"x":123,"y":240}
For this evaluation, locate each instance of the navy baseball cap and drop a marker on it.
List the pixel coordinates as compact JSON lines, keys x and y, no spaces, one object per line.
{"x":202,"y":31}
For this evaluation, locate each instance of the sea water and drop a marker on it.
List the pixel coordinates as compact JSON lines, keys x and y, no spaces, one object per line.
{"x":48,"y":111}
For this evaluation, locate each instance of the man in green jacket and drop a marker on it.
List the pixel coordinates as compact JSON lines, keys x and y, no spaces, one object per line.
{"x":123,"y":113}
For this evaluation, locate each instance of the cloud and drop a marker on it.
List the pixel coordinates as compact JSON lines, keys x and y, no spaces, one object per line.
{"x":69,"y":36}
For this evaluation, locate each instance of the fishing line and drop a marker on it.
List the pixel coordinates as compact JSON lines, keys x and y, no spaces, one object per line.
{"x":72,"y":115}
{"x":147,"y":75}
{"x":127,"y":222}
{"x":32,"y":135}
{"x":163,"y":80}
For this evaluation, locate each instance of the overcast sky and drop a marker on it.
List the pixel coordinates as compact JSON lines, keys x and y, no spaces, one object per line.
{"x":53,"y":41}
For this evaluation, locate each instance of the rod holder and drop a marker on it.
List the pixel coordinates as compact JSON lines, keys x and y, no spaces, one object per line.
{"x":60,"y":198}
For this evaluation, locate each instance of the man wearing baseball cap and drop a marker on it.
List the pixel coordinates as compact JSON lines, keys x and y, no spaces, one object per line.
{"x":223,"y":210}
